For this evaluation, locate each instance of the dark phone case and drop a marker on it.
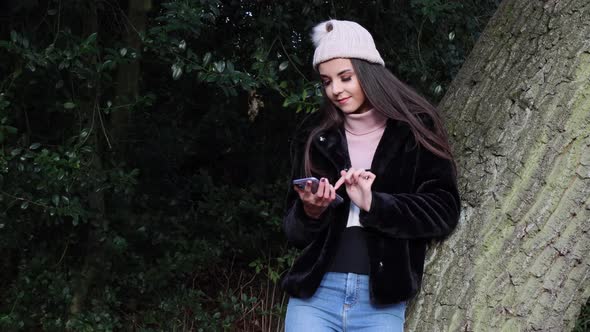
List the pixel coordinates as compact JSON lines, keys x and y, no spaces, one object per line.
{"x":301,"y":183}
{"x":314,"y":187}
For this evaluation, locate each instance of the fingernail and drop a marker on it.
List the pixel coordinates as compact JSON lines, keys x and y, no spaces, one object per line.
{"x":323,"y":179}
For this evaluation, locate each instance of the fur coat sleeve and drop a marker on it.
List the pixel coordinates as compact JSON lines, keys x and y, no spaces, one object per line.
{"x":299,"y":228}
{"x":429,"y":210}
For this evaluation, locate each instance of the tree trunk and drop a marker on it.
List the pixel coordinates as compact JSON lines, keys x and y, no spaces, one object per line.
{"x":89,"y":116}
{"x":128,"y":78}
{"x":518,"y":115}
{"x":128,"y":75}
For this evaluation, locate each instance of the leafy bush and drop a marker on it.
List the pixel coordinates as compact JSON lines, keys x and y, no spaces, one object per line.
{"x":144,"y":149}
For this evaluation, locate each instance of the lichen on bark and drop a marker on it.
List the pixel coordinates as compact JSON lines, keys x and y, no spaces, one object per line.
{"x":518,"y":114}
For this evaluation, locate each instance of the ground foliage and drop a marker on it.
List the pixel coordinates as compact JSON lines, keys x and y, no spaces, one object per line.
{"x":144,"y":150}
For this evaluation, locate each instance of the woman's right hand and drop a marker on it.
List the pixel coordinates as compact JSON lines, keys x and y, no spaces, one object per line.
{"x":315,"y":204}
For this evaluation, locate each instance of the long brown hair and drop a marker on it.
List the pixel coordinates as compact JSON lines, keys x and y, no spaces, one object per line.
{"x":395,"y":100}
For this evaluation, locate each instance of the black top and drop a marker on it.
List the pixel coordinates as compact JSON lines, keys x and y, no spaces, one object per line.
{"x":352,"y":255}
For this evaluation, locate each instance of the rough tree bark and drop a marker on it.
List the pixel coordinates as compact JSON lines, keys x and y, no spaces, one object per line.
{"x":518,"y":114}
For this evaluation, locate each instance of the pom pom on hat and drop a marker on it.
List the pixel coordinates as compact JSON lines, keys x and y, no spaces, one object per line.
{"x":320,"y":31}
{"x":343,"y":39}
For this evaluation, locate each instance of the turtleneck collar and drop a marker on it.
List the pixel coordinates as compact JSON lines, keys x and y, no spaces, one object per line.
{"x":364,"y":123}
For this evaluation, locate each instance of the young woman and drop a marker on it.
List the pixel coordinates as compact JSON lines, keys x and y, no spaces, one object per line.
{"x":381,"y":147}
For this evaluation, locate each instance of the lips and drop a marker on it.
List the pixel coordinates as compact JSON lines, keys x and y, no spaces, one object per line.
{"x":343,"y":100}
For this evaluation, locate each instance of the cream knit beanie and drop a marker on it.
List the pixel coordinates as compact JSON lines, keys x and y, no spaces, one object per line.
{"x":343,"y":39}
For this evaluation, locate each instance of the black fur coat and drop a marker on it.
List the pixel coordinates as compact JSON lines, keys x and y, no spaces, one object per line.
{"x":415,"y":200}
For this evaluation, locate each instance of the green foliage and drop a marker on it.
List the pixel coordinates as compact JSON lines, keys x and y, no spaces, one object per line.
{"x":583,"y":322}
{"x":143,"y":165}
{"x":434,"y":10}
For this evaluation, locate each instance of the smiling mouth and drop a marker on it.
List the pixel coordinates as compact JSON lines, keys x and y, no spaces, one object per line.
{"x":343,"y":100}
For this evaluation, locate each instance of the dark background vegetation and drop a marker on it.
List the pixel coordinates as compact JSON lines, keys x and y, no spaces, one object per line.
{"x":144,"y":150}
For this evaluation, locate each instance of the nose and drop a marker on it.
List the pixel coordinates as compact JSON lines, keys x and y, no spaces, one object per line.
{"x":336,"y":88}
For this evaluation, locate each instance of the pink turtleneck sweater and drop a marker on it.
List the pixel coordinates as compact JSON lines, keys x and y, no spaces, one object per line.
{"x":363,"y":133}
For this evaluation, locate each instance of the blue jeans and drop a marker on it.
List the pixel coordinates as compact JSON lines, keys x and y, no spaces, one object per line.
{"x":341,"y":303}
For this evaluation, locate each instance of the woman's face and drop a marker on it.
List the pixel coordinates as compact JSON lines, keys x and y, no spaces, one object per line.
{"x":342,"y":86}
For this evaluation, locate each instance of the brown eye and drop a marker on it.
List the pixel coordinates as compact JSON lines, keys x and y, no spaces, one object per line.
{"x":346,"y":79}
{"x":325,"y":83}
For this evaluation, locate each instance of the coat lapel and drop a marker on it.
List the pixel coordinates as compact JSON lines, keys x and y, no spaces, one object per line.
{"x":332,"y":145}
{"x":390,"y":145}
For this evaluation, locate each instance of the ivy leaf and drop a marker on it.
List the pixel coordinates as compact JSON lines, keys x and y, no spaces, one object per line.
{"x":34,"y":146}
{"x":55,"y":200}
{"x":109,"y":64}
{"x":176,"y":71}
{"x":438,"y":89}
{"x":206,"y":58}
{"x":283,"y":65}
{"x":91,"y":38}
{"x":220,"y":66}
{"x":69,"y":105}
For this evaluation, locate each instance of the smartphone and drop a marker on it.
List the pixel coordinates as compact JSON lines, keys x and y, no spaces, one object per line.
{"x":314,"y":187}
{"x":302,"y":182}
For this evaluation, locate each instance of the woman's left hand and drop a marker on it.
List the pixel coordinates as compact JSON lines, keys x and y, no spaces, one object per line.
{"x":358,"y":186}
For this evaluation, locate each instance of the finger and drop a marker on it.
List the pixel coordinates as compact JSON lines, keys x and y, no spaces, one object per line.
{"x":348,"y":177}
{"x":327,"y":189}
{"x":297,"y":189}
{"x":370,"y":175}
{"x":321,"y":188}
{"x":300,"y":191}
{"x":367,"y":179}
{"x":307,"y":188}
{"x":305,"y":194}
{"x":363,"y":176}
{"x":341,"y":180}
{"x":332,"y":194}
{"x":357,"y":174}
